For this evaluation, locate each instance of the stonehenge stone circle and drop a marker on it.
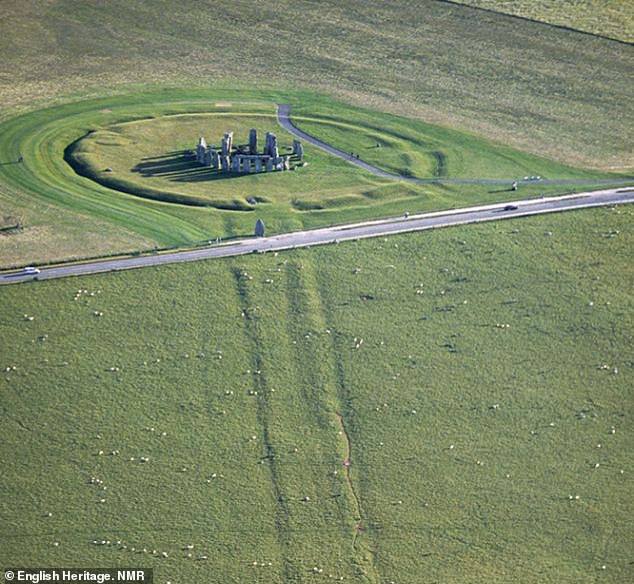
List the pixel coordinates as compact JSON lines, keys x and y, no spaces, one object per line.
{"x":246,"y":159}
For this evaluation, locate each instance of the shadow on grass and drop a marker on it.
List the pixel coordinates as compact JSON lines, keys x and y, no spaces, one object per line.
{"x":501,"y":191}
{"x":172,"y":153}
{"x":179,"y":166}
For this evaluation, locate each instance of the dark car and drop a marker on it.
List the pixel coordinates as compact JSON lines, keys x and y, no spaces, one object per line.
{"x":510,"y":208}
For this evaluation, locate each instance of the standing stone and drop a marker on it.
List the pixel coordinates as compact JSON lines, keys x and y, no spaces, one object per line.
{"x":224,"y":163}
{"x":286,"y":163}
{"x":246,"y":165}
{"x":235,"y":163}
{"x":200,"y":150}
{"x":269,"y":164}
{"x":271,"y":145}
{"x":227,"y":143}
{"x":298,"y":149}
{"x":207,"y":157}
{"x":253,"y":141}
{"x":215,"y":162}
{"x":258,"y":164}
{"x":259,"y":228}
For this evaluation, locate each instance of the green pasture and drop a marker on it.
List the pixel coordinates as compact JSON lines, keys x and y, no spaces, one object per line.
{"x":478,"y":380}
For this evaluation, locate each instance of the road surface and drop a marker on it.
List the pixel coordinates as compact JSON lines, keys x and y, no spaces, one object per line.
{"x":337,"y":233}
{"x":283,"y":118}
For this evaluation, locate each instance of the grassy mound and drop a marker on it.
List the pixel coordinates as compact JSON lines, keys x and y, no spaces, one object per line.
{"x":416,"y":408}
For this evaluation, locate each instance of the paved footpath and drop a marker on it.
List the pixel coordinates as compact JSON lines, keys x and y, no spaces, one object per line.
{"x":336,"y":234}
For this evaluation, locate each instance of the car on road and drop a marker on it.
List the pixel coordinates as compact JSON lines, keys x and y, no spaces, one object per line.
{"x":31,"y":270}
{"x":510,"y":208}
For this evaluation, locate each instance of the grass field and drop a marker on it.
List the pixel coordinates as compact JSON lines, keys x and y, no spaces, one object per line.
{"x":607,"y":18}
{"x":450,"y":406}
{"x":476,"y":379}
{"x":119,"y":133}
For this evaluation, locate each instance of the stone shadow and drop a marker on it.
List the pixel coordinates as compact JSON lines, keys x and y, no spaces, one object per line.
{"x":177,"y":166}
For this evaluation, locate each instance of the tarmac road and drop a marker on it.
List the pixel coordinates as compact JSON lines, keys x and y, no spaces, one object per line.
{"x":336,"y":233}
{"x":283,"y":118}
